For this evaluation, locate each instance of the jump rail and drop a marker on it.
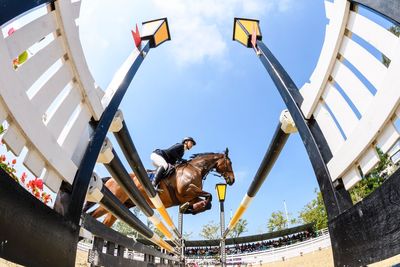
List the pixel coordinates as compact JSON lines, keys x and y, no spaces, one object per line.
{"x":339,"y":140}
{"x":58,"y":116}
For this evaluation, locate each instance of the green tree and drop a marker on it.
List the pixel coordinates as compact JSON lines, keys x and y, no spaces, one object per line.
{"x":374,"y":179}
{"x":396,"y":31}
{"x":124,"y":229}
{"x":314,"y":212}
{"x":277,"y":221}
{"x":239,"y":228}
{"x":210,"y":231}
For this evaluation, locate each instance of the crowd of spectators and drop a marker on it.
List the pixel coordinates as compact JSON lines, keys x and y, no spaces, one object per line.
{"x":251,"y":247}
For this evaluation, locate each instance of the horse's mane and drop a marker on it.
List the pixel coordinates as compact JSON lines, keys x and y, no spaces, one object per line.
{"x":202,"y":154}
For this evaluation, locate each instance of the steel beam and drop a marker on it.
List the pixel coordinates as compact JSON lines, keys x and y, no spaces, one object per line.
{"x":335,"y":202}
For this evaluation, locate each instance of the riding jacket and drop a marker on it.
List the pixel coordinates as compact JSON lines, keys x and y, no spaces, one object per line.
{"x":172,"y":154}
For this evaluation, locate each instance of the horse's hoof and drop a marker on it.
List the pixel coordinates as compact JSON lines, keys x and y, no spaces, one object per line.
{"x":184,"y":207}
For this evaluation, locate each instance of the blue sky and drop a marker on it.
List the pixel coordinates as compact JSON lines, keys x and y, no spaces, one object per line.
{"x":204,"y":85}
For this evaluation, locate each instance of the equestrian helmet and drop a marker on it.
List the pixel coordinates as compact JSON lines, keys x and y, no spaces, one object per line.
{"x":189,"y":139}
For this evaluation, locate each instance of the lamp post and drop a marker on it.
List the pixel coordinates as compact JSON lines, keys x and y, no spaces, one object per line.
{"x":221,"y":192}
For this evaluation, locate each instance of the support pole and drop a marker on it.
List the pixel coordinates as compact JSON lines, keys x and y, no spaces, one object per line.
{"x":180,"y":227}
{"x":222,"y":220}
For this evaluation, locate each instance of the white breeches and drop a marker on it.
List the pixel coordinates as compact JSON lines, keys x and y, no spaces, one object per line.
{"x":158,"y":161}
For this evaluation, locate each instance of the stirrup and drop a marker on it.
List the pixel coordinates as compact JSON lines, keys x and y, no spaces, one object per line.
{"x":184,"y":207}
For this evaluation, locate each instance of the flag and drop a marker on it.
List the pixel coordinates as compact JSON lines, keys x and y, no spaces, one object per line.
{"x":254,"y":40}
{"x":254,"y":37}
{"x":136,"y":37}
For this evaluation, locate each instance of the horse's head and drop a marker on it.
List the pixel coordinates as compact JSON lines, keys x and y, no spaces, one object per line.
{"x":224,"y":167}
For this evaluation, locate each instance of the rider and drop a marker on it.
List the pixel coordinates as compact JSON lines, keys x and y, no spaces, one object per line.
{"x":162,"y":157}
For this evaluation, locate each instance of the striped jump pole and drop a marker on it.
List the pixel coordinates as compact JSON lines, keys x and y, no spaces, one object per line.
{"x":278,"y":142}
{"x":128,"y":148}
{"x":111,"y":203}
{"x":120,"y":174}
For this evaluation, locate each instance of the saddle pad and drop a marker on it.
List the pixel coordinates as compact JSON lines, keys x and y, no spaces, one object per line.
{"x":151,"y":175}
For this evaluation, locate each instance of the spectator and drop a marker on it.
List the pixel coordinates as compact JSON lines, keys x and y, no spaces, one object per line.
{"x":252,"y":247}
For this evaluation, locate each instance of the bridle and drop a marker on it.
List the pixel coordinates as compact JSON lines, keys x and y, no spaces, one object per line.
{"x":224,"y":172}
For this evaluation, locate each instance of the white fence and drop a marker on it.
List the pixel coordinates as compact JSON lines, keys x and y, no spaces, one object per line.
{"x":344,"y":104}
{"x":49,"y":99}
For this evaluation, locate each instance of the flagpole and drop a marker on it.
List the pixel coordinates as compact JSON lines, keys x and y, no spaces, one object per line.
{"x":287,"y":216}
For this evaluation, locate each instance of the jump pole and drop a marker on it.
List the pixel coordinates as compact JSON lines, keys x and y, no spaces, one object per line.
{"x":120,"y":174}
{"x":278,"y":142}
{"x":111,"y":203}
{"x":128,"y":148}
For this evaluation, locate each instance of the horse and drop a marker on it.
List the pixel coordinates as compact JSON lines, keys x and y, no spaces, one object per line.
{"x":183,"y":186}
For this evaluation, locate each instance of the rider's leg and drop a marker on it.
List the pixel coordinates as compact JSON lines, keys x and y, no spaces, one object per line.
{"x":161,"y":165}
{"x":158,"y":176}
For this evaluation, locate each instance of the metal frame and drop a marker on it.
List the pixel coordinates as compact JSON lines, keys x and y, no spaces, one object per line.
{"x":336,"y":199}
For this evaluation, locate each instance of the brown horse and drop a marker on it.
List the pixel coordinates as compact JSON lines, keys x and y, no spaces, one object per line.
{"x":183,"y":186}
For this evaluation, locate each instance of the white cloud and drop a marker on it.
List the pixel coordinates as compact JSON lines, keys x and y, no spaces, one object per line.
{"x":200,"y":29}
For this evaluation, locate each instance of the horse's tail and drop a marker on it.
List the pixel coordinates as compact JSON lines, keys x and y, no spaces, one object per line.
{"x":89,"y":204}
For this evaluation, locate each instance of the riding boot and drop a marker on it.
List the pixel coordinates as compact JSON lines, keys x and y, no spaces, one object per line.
{"x":158,"y":176}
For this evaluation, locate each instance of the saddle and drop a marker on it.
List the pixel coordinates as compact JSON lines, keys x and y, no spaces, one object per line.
{"x":171,"y":169}
{"x":168,"y":173}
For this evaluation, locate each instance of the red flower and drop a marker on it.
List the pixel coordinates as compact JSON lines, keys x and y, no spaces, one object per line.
{"x":37,"y":194}
{"x":3,"y":158}
{"x":46,"y":198}
{"x":14,"y":161}
{"x":23,"y":177}
{"x":39,"y":183}
{"x":30,"y":184}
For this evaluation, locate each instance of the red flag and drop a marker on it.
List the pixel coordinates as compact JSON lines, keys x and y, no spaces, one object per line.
{"x":254,"y":40}
{"x":136,"y":37}
{"x":254,"y":37}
